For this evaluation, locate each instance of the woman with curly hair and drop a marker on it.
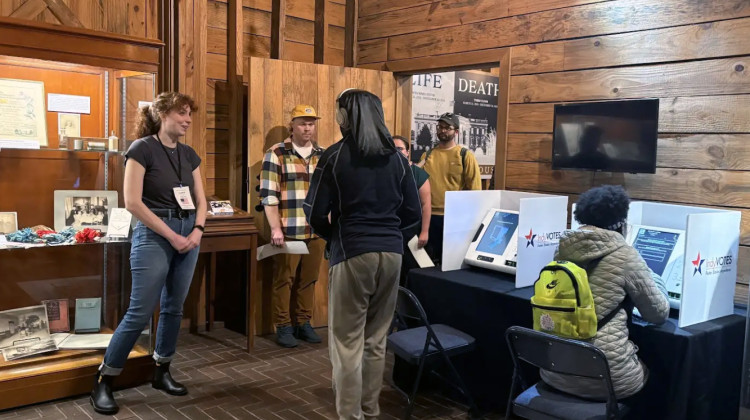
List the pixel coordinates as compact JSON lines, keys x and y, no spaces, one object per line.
{"x":616,"y":271}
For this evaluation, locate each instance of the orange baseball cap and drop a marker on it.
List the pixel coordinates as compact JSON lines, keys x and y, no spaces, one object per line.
{"x":304,"y":111}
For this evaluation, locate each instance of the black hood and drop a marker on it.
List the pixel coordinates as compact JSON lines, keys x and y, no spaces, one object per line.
{"x":365,"y":123}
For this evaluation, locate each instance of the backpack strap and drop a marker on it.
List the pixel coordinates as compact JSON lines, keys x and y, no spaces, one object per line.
{"x":463,"y":157}
{"x":626,"y":304}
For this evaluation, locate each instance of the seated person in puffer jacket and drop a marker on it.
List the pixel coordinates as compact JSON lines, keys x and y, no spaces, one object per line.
{"x":615,"y":270}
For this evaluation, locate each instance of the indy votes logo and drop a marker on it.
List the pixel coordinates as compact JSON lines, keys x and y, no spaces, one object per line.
{"x":542,"y":239}
{"x":713,"y":265}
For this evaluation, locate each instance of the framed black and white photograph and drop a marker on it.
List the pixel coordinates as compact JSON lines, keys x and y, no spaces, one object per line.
{"x":83,"y":209}
{"x":8,"y":222}
{"x":25,"y":332}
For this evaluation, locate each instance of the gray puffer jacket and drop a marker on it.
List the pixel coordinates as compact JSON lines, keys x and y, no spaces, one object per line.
{"x":620,"y":271}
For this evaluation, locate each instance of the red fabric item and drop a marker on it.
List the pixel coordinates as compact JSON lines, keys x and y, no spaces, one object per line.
{"x":87,"y":235}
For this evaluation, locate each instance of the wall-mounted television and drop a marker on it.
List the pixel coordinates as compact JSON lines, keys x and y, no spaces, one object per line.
{"x":612,"y":136}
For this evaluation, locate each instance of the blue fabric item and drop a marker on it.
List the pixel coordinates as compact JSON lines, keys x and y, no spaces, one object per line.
{"x":26,"y":235}
{"x":64,"y":236}
{"x":409,"y":344}
{"x":160,"y":273}
{"x":543,"y":399}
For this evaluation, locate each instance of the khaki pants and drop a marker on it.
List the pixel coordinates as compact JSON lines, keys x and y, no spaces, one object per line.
{"x":285,"y":281}
{"x":362,"y":297}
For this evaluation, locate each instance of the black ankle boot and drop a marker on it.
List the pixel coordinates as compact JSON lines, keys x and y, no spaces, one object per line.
{"x":101,"y":396}
{"x":163,"y":380}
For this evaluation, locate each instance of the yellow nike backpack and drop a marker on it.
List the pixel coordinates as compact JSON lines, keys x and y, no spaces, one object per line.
{"x":562,"y":303}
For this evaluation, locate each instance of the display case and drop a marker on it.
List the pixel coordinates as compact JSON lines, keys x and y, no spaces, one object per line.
{"x":59,"y":169}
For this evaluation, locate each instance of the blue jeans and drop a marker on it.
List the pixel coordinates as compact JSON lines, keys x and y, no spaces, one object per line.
{"x":159,"y":273}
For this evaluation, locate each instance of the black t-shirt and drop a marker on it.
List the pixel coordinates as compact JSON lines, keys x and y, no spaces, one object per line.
{"x":161,"y":176}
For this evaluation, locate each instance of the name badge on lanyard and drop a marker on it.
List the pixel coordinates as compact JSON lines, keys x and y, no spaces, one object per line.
{"x":181,"y":193}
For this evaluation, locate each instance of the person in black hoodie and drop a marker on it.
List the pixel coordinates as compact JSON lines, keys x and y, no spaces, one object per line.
{"x":366,"y":188}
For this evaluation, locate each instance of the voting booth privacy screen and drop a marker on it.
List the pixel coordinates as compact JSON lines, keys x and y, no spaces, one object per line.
{"x":693,"y":249}
{"x":469,"y":215}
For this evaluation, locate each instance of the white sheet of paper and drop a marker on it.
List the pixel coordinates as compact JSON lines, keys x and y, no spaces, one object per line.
{"x":82,"y":341}
{"x":290,"y":247}
{"x":19,"y":144}
{"x":119,"y":223}
{"x":3,"y":239}
{"x":419,"y":254}
{"x":68,"y":103}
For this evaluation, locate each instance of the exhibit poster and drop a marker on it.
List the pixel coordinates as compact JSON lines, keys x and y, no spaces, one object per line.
{"x":83,"y":209}
{"x":472,"y":95}
{"x":23,"y":121}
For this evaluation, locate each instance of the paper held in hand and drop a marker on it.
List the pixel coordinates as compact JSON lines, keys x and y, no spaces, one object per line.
{"x":420,"y":255}
{"x":290,"y":247}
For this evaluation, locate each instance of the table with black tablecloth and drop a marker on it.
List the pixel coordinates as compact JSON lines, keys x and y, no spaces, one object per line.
{"x":694,"y":371}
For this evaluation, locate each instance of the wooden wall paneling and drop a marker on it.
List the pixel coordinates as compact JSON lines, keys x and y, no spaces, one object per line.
{"x":692,"y":186}
{"x":321,"y":32}
{"x":299,"y":30}
{"x":367,"y":8}
{"x":503,"y":96}
{"x":373,"y":50}
{"x":704,"y":114}
{"x":303,"y":9}
{"x":700,"y":41}
{"x":294,"y":51}
{"x":336,"y":36}
{"x":336,"y":11}
{"x":611,"y":17}
{"x":66,"y":17}
{"x":710,"y":77}
{"x":352,"y":28}
{"x":403,"y":106}
{"x":522,"y":7}
{"x":538,"y":58}
{"x":707,"y":151}
{"x":199,"y":80}
{"x":278,"y":31}
{"x":136,"y":17}
{"x":429,"y":17}
{"x":325,"y":104}
{"x":216,"y":66}
{"x":388,"y":97}
{"x":235,"y":64}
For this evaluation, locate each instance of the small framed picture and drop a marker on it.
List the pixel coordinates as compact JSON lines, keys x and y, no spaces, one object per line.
{"x":8,"y":222}
{"x":83,"y":209}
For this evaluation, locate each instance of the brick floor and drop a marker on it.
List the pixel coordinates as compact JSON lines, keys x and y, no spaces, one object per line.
{"x":225,"y":382}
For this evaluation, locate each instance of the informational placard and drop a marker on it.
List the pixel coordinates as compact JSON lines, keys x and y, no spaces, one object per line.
{"x":472,"y":95}
{"x":74,"y":104}
{"x":119,"y":223}
{"x":23,"y":123}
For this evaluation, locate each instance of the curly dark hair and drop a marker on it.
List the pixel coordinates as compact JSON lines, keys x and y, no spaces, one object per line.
{"x":603,"y":207}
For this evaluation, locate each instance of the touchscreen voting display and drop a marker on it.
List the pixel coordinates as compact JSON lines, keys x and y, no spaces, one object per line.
{"x":664,"y":252}
{"x":499,"y":233}
{"x":655,"y":247}
{"x":495,"y":244}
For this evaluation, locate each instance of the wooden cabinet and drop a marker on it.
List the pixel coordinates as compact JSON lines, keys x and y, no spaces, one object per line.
{"x":115,"y":73}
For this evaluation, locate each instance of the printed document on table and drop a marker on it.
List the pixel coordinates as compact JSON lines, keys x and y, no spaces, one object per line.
{"x":290,"y":247}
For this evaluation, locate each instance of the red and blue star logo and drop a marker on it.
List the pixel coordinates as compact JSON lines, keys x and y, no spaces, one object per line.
{"x":698,"y":264}
{"x":530,"y":238}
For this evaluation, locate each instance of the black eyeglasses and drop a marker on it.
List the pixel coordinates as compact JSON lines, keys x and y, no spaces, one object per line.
{"x":441,"y":127}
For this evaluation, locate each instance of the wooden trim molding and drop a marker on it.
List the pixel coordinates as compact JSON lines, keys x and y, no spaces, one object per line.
{"x":350,"y":34}
{"x":501,"y":150}
{"x":44,"y":41}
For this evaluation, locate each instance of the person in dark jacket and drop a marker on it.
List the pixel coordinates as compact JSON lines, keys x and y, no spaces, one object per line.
{"x":361,"y":196}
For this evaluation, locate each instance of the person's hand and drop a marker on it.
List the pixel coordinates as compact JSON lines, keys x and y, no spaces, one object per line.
{"x":194,"y":239}
{"x":180,"y":243}
{"x":277,"y":237}
{"x":422,"y":240}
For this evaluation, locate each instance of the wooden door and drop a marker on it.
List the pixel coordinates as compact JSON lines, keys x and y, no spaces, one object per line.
{"x":274,"y":88}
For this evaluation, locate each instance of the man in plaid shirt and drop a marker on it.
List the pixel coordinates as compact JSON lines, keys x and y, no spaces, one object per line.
{"x":284,"y":180}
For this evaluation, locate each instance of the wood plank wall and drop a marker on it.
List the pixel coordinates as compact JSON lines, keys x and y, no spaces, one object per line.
{"x":299,"y":36}
{"x":692,"y":54}
{"x":134,"y":17}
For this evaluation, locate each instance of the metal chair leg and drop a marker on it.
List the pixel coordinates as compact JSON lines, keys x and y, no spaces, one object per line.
{"x":413,"y":395}
{"x":472,"y":406}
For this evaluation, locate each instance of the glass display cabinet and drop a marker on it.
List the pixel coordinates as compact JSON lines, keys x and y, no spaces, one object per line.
{"x":61,"y":167}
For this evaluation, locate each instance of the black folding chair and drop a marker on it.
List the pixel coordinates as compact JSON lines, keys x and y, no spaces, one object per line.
{"x":559,"y":355}
{"x":414,"y":340}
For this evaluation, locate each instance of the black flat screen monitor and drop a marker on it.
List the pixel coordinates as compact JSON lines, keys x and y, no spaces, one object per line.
{"x":615,"y":136}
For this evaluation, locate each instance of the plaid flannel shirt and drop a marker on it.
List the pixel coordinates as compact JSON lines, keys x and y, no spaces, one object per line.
{"x":284,"y":181}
